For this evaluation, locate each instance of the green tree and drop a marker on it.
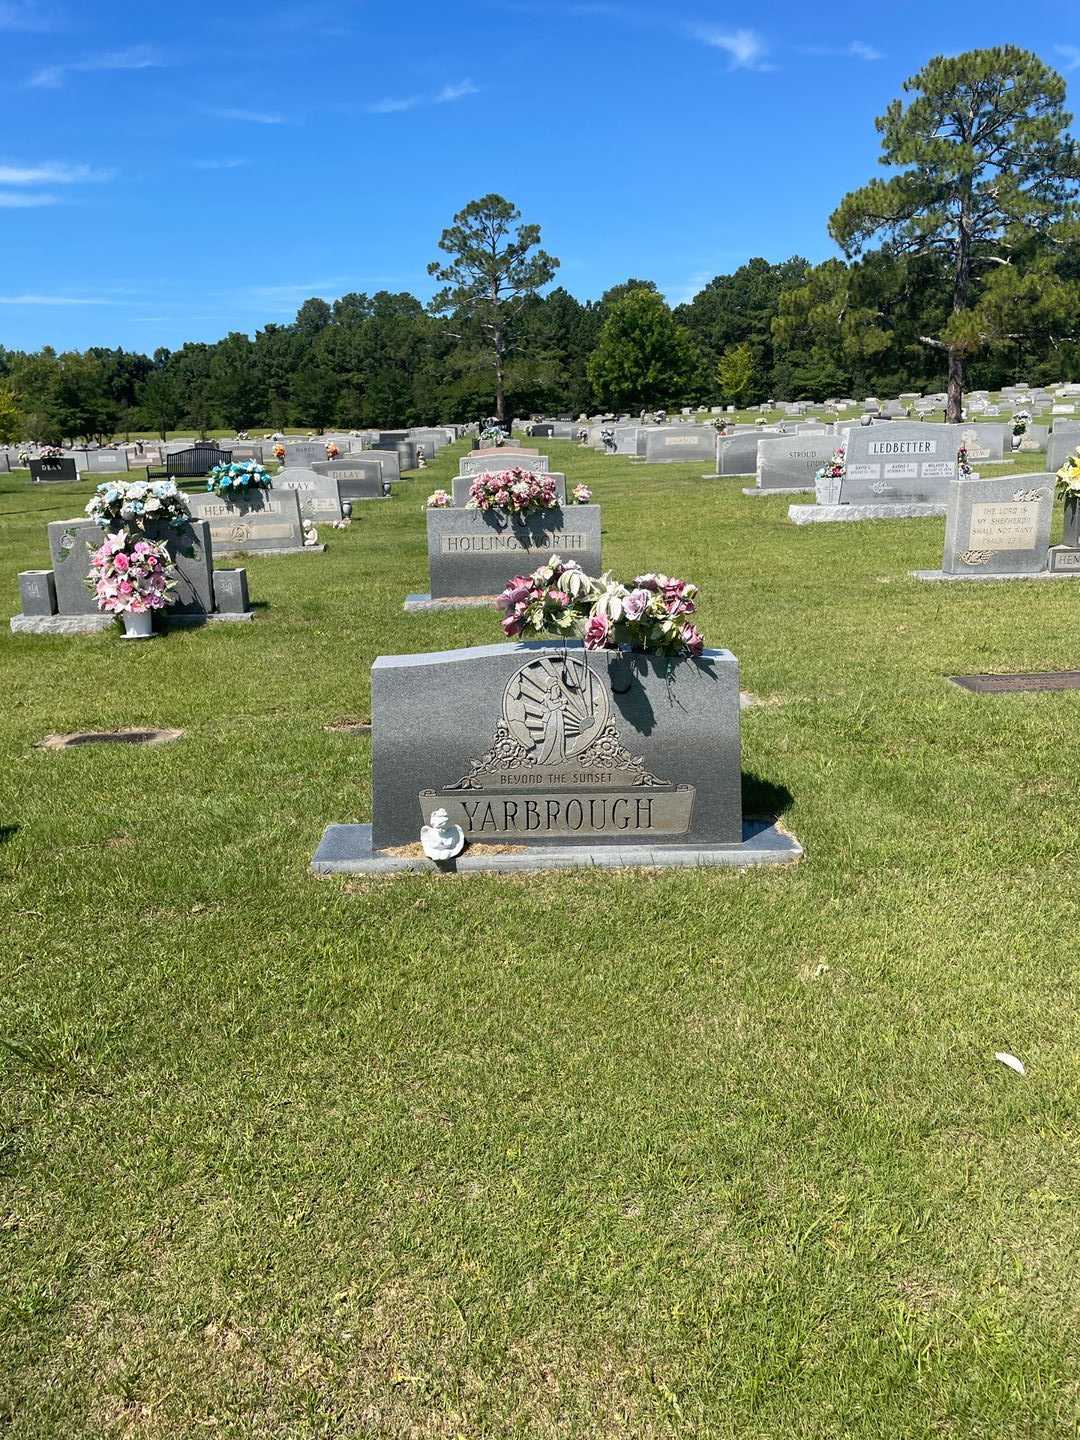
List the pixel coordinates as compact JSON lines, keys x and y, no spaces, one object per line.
{"x":11,"y":420}
{"x":643,"y":356}
{"x":159,"y":403}
{"x":79,"y":404}
{"x":985,"y":168}
{"x":492,"y":272}
{"x":735,"y":370}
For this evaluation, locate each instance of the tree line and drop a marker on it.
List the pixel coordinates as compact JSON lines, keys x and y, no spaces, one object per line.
{"x":962,"y":268}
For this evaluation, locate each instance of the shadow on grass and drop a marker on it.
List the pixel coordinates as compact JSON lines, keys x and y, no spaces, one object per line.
{"x":761,"y":798}
{"x":8,"y":832}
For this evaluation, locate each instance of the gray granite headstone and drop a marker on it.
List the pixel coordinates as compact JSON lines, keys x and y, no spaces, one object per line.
{"x":304,"y":452}
{"x":105,"y":462}
{"x":1033,"y":438}
{"x":357,"y":479}
{"x":231,"y":592}
{"x":264,"y":521}
{"x":37,"y":592}
{"x":791,"y":462}
{"x":463,"y":484}
{"x":667,"y":445}
{"x":629,"y":439}
{"x":737,"y":454}
{"x":998,"y":527}
{"x":899,"y":464}
{"x":189,"y":548}
{"x":388,"y":459}
{"x":1059,"y":447}
{"x":545,"y":743}
{"x":471,"y":552}
{"x":985,"y":443}
{"x":320,"y":495}
{"x":503,"y":459}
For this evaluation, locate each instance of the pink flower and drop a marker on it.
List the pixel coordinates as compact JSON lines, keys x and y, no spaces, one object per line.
{"x":512,"y":625}
{"x":558,"y":597}
{"x":597,"y":633}
{"x":647,"y":582}
{"x":126,"y":588}
{"x":635,"y":603}
{"x":120,"y":560}
{"x":693,"y":639}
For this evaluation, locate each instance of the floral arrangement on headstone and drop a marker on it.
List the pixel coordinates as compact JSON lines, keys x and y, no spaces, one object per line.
{"x":493,"y":435}
{"x":128,"y":577}
{"x":135,"y":502}
{"x":647,"y":616}
{"x":279,"y":452}
{"x":514,"y":492}
{"x":233,"y":481}
{"x":439,"y":500}
{"x":963,"y":465}
{"x":24,"y":457}
{"x":827,"y":478}
{"x":50,"y":452}
{"x":1068,"y":477}
{"x":580,"y":495}
{"x":332,"y":451}
{"x":1021,"y":421}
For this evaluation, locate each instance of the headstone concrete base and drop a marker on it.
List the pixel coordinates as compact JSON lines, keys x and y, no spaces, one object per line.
{"x":826,"y":514}
{"x":347,"y":850}
{"x":775,"y":490}
{"x":1020,"y":575}
{"x":415,"y":604}
{"x":258,"y":554}
{"x":98,"y":624}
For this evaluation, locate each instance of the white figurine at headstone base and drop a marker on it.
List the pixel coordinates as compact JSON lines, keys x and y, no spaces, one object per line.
{"x":421,"y":458}
{"x":311,"y":535}
{"x":440,"y":839}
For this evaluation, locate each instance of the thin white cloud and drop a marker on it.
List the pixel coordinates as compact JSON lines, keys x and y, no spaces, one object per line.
{"x":1070,"y":56}
{"x":222,"y":164}
{"x":683,"y":292}
{"x":50,"y":300}
{"x":26,"y":199}
{"x":745,"y":49}
{"x":853,"y":50}
{"x":391,"y":106}
{"x":136,"y":57}
{"x":456,"y":92}
{"x":49,"y":173}
{"x":28,"y":16}
{"x":252,"y":117}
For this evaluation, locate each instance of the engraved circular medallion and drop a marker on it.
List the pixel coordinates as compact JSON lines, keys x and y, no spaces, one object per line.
{"x":555,"y":707}
{"x":239,"y":533}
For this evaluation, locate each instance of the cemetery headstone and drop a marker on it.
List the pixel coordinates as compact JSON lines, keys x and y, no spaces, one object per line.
{"x":791,"y":462}
{"x":266,"y":522}
{"x":358,"y":479}
{"x":899,"y":464}
{"x":666,"y":446}
{"x":997,"y":528}
{"x":320,"y":495}
{"x":189,"y":548}
{"x":474,"y":553}
{"x":61,"y":471}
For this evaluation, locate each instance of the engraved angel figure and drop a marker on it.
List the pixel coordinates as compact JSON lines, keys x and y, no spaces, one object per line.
{"x":553,"y":716}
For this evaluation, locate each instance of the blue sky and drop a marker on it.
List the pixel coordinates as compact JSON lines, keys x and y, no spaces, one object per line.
{"x":176,"y":171}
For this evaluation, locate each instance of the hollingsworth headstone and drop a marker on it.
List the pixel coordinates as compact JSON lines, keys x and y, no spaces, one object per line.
{"x":263,"y":522}
{"x":475,"y":552}
{"x":554,"y":755}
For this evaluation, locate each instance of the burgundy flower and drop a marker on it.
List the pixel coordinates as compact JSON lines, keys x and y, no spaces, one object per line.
{"x":597,"y":633}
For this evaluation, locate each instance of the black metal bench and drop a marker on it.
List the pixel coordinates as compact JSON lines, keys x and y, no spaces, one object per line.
{"x":190,"y":464}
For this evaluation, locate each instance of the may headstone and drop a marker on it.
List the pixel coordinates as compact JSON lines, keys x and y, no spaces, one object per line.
{"x":320,"y":495}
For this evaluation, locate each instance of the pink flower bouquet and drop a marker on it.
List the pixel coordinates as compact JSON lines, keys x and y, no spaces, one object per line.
{"x":514,"y":492}
{"x":128,"y":577}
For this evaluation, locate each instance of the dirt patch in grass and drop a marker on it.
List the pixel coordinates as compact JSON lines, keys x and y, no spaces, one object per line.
{"x":128,"y":736}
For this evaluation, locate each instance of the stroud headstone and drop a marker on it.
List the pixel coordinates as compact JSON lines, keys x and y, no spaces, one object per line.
{"x":264,"y":523}
{"x":790,"y":462}
{"x":473,"y":553}
{"x":996,"y":529}
{"x":555,"y":756}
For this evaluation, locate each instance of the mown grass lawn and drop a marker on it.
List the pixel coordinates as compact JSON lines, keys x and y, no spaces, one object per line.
{"x":695,"y":1154}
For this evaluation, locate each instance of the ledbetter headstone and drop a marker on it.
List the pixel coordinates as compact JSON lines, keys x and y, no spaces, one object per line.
{"x":898,"y":464}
